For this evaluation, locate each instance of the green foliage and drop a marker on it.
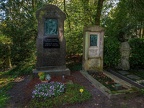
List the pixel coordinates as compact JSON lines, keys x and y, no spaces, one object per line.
{"x":5,"y":44}
{"x":111,"y":52}
{"x":75,"y":66}
{"x":137,"y":52}
{"x":21,"y":69}
{"x":3,"y":99}
{"x":71,"y":96}
{"x":126,"y":17}
{"x":5,"y":85}
{"x":42,"y":77}
{"x":20,"y":26}
{"x":74,"y":42}
{"x":80,"y":13}
{"x":142,"y":91}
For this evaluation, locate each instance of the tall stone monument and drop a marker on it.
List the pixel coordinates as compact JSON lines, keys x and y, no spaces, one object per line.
{"x":51,"y":43}
{"x":93,"y":48}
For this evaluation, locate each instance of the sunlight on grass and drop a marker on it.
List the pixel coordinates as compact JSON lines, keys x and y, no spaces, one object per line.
{"x":3,"y":98}
{"x":5,"y":85}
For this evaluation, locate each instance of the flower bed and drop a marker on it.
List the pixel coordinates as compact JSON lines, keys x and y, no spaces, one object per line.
{"x":46,"y":90}
{"x":106,"y":81}
{"x":73,"y":93}
{"x":109,"y":84}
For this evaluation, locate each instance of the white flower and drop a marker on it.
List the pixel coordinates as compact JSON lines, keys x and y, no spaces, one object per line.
{"x":48,"y":77}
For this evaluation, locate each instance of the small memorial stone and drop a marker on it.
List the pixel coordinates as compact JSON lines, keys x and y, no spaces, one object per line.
{"x":124,"y":72}
{"x":93,"y":48}
{"x":134,"y":77}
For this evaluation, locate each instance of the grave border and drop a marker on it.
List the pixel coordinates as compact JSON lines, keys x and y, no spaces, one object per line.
{"x":120,"y":93}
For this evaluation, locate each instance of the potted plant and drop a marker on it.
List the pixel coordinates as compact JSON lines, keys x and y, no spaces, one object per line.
{"x":44,"y":77}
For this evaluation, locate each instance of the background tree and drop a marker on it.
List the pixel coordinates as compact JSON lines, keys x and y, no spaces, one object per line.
{"x":127,"y":18}
{"x":5,"y":52}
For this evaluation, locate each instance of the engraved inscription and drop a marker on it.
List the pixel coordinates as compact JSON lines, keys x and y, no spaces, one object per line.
{"x":93,"y":52}
{"x":51,"y":43}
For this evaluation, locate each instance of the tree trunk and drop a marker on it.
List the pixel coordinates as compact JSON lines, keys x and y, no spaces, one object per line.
{"x":143,"y":33}
{"x":98,"y":14}
{"x":85,"y":4}
{"x":9,"y":58}
{"x":34,"y":5}
{"x":69,"y":23}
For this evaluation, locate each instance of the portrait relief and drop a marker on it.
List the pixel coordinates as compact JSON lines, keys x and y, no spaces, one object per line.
{"x":51,"y":27}
{"x":93,"y":39}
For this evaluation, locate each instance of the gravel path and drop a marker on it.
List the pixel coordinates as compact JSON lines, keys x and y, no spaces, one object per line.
{"x":21,"y":95}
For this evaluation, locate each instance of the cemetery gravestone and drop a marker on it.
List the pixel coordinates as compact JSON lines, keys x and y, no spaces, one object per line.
{"x":93,"y":48}
{"x":125,"y":53}
{"x":51,"y":43}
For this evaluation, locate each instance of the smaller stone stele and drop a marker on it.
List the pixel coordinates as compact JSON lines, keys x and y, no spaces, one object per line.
{"x":93,"y":48}
{"x":51,"y":43}
{"x":125,"y":54}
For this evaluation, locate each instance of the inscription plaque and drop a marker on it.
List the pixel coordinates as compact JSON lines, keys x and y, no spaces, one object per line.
{"x":93,"y":39}
{"x":51,"y":27}
{"x":51,"y":43}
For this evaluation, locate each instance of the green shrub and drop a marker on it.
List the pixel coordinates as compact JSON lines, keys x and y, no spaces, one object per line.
{"x":3,"y":98}
{"x":74,"y":42}
{"x":111,"y":51}
{"x":75,"y":66}
{"x":137,"y":52}
{"x":142,"y":91}
{"x":21,"y":69}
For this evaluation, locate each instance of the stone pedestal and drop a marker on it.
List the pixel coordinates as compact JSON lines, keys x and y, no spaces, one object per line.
{"x":51,"y":43}
{"x":93,"y":48}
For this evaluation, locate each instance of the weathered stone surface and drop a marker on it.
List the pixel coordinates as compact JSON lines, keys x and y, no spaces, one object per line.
{"x":125,"y":52}
{"x":134,"y":77}
{"x":93,"y":48}
{"x":51,"y":43}
{"x":124,"y":72}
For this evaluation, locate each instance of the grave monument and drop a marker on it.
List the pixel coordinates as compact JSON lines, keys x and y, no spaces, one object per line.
{"x":125,"y":53}
{"x":93,"y":48}
{"x":51,"y":43}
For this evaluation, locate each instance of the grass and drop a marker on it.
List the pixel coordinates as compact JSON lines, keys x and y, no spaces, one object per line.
{"x":5,"y":85}
{"x":72,"y":95}
{"x":6,"y":79}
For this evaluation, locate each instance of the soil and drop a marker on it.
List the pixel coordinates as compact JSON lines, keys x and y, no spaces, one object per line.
{"x":21,"y":94}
